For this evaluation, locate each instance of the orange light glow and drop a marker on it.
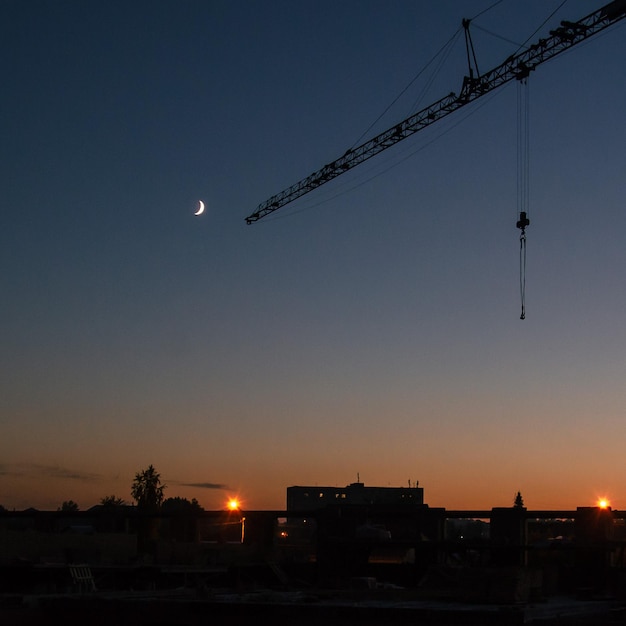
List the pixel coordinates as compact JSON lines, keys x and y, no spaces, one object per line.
{"x":603,"y":503}
{"x":233,"y":504}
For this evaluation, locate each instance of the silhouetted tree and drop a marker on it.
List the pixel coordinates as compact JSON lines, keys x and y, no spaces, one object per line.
{"x":112,"y":501}
{"x":183,"y":518}
{"x":519,"y":501}
{"x":147,"y":489}
{"x":69,"y":505}
{"x":181,"y":505}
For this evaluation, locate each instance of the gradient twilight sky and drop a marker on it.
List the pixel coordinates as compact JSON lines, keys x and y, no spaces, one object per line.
{"x":373,"y":326}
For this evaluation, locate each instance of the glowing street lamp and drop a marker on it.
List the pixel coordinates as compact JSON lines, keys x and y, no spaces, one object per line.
{"x":233,"y":505}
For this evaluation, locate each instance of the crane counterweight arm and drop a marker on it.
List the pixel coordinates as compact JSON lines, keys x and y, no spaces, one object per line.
{"x":517,"y":66}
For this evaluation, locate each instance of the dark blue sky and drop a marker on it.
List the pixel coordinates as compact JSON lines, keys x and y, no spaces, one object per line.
{"x":371,"y":327}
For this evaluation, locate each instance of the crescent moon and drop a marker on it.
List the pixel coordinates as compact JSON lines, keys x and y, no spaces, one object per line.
{"x":200,"y":208}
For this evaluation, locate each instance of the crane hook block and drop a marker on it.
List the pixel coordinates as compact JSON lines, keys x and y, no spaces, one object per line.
{"x":523,"y":221}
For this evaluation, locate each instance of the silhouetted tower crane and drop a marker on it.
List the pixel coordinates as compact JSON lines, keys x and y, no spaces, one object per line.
{"x":517,"y":66}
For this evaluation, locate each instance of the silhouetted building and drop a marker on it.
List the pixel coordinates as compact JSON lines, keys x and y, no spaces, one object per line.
{"x":594,"y":531}
{"x":508,"y":534}
{"x":313,"y":498}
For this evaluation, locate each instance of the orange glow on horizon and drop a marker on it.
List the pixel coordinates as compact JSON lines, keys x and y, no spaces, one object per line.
{"x":233,"y":504}
{"x":603,"y":503}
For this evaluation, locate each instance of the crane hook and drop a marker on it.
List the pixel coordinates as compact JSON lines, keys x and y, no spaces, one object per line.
{"x":521,"y":224}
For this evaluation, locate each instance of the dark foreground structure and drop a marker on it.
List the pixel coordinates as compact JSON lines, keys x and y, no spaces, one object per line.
{"x":351,"y":562}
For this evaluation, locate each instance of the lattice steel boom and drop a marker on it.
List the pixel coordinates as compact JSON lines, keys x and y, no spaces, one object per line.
{"x":517,"y":66}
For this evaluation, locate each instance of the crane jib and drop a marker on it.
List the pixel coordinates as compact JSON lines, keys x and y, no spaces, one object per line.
{"x":516,"y":67}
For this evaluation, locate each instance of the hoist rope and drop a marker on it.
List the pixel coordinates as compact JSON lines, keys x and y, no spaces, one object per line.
{"x":522,"y":273}
{"x":523,"y":146}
